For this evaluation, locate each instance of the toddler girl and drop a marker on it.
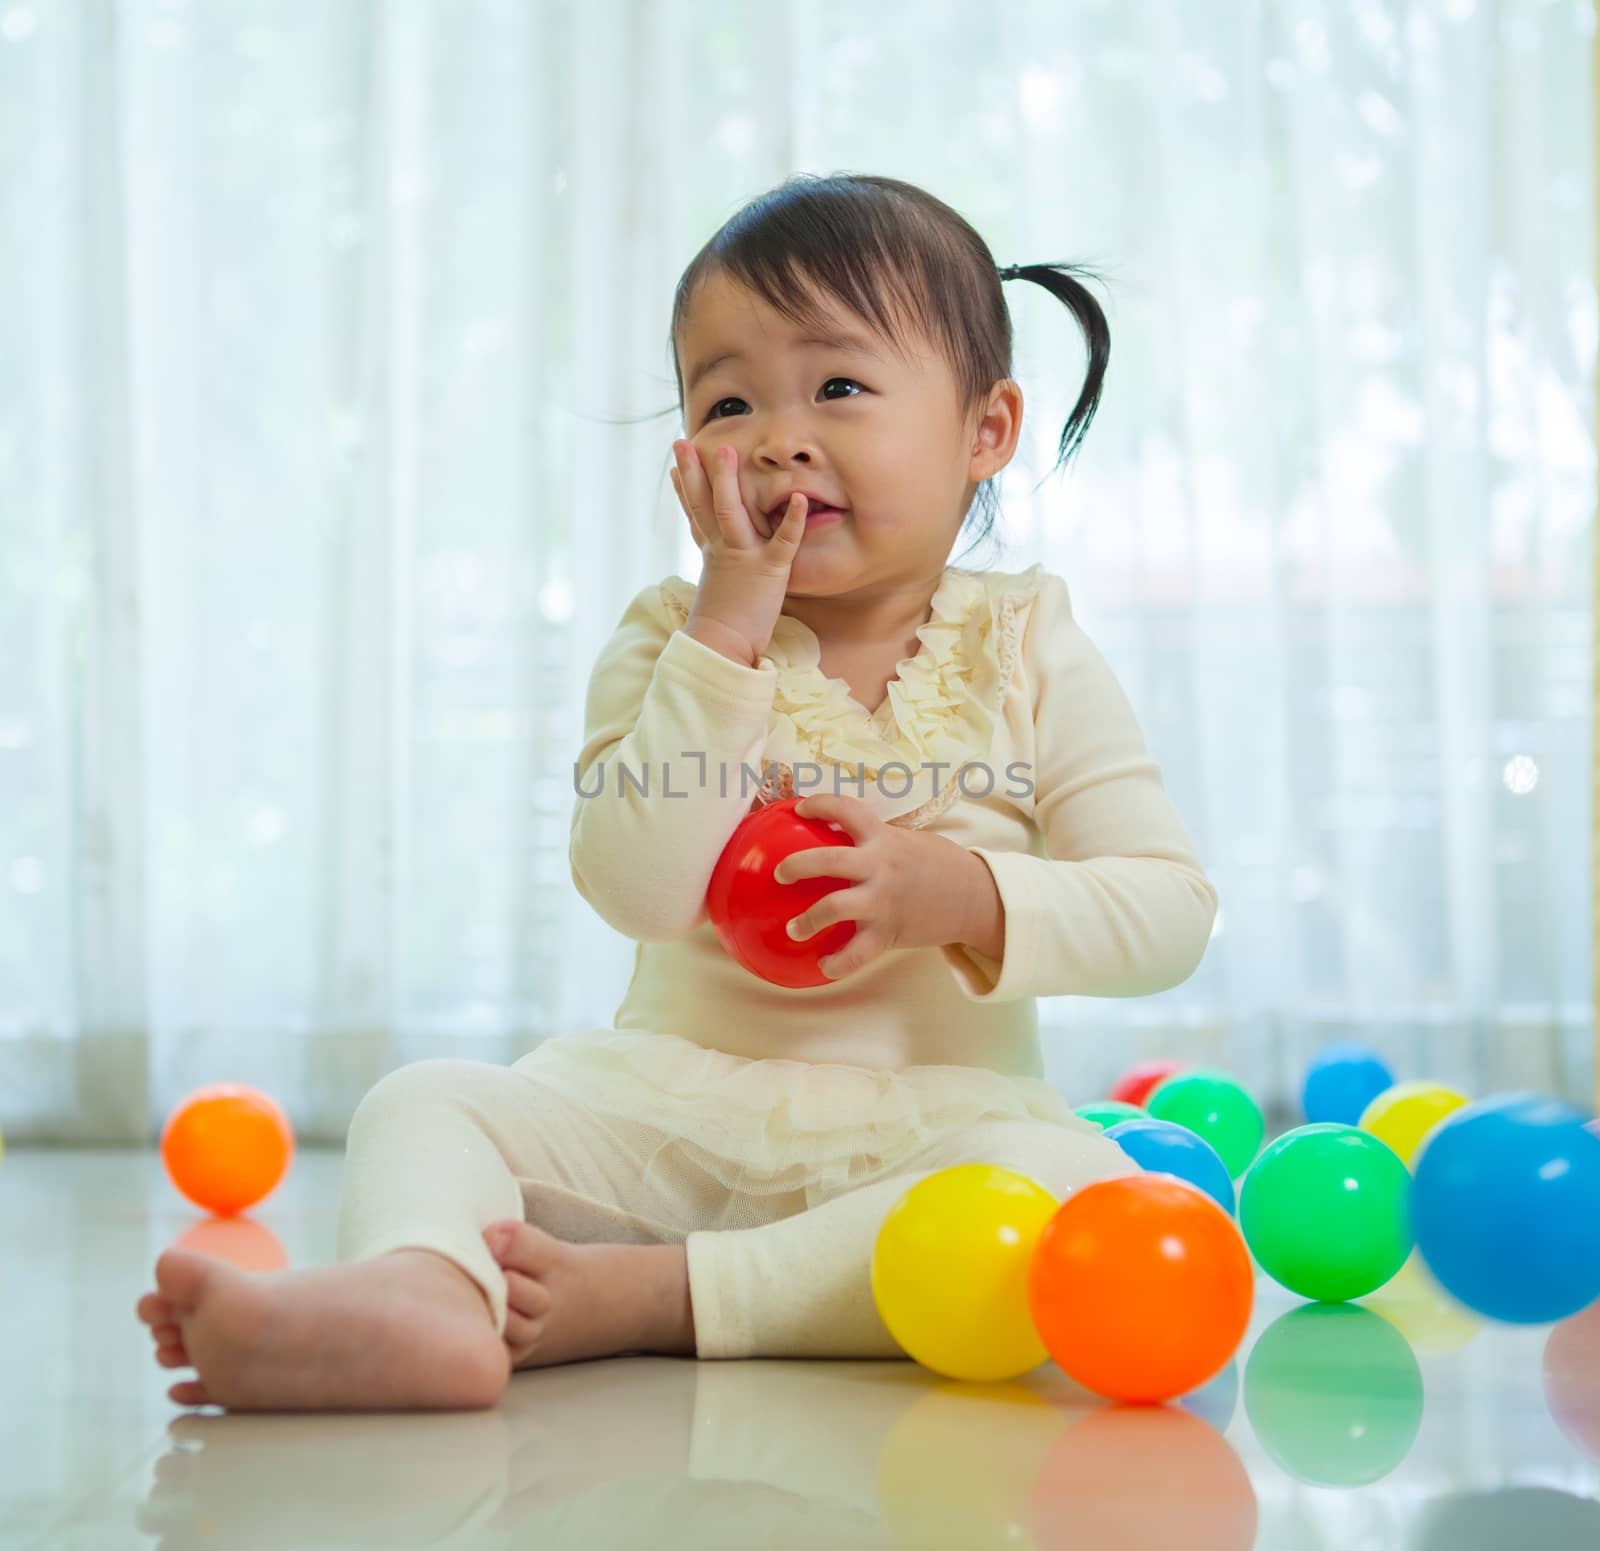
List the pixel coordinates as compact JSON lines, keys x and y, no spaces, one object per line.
{"x":708,"y":1176}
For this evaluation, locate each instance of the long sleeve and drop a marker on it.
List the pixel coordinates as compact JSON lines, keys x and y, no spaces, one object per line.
{"x":1119,"y":906}
{"x":666,"y":713}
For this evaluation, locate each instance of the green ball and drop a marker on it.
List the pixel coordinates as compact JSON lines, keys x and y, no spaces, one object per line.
{"x":1216,"y":1109}
{"x":1326,"y":1211}
{"x":1334,"y":1394}
{"x":1108,"y":1112}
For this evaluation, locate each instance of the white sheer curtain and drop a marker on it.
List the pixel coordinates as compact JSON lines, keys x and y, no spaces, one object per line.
{"x":334,"y":413}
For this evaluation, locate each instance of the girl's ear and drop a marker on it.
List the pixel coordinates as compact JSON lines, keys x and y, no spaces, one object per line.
{"x":999,"y":426}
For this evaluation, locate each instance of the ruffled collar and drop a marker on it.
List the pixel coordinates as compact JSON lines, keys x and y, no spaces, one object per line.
{"x":942,"y":705}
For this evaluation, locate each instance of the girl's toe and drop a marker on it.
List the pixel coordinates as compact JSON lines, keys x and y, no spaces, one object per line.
{"x":191,"y":1392}
{"x":154,"y":1309}
{"x":526,"y":1294}
{"x":173,"y":1357}
{"x":526,"y":1247}
{"x":522,"y":1331}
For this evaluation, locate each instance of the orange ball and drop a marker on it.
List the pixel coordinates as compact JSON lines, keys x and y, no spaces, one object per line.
{"x":1140,"y":1287}
{"x":226,"y":1146}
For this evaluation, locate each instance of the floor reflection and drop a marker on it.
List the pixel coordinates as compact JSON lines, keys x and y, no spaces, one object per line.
{"x":1334,"y":1393}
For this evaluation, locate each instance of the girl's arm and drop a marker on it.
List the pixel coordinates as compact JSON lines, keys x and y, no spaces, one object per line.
{"x":1120,"y":905}
{"x":672,"y":715}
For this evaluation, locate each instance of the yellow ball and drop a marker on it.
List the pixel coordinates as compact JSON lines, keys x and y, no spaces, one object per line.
{"x":1404,"y":1114}
{"x":950,"y":1271}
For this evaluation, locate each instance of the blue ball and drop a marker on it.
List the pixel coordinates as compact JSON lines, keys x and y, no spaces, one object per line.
{"x":1341,"y":1081}
{"x":1165,"y":1148}
{"x":1506,"y":1206}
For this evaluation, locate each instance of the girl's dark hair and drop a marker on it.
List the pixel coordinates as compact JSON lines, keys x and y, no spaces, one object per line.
{"x":889,"y":252}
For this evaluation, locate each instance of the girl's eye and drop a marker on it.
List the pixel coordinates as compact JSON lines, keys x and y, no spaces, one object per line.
{"x":713,"y":415}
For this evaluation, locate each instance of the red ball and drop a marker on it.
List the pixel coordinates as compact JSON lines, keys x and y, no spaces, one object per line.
{"x":751,"y":910}
{"x":1140,"y":1287}
{"x":1135,"y":1085}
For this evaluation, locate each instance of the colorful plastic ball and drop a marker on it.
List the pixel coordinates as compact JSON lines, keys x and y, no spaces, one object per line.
{"x":1325,"y":1212}
{"x":1404,"y":1114}
{"x":1140,"y":1287}
{"x":226,"y":1147}
{"x":1334,"y":1394}
{"x":1506,"y":1204}
{"x":1216,"y":1108}
{"x":1163,"y":1148}
{"x":751,"y":911}
{"x":1341,"y":1081}
{"x":1107,"y":1112}
{"x":950,"y":1269}
{"x":1138,"y":1082}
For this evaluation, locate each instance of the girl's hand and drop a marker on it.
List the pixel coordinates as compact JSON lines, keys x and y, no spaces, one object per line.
{"x":911,"y":889}
{"x":745,"y":577}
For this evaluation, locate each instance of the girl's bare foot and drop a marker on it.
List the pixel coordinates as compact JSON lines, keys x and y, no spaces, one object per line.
{"x":405,"y":1331}
{"x":567,"y":1302}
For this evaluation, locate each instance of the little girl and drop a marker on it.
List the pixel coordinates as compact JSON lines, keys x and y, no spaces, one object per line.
{"x":708,"y":1176}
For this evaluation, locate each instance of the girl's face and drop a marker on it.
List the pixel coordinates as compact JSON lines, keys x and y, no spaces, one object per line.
{"x":849,"y":421}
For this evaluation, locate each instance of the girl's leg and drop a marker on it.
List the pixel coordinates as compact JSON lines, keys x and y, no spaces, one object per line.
{"x":440,"y":1149}
{"x":414,"y":1316}
{"x":802,"y":1287}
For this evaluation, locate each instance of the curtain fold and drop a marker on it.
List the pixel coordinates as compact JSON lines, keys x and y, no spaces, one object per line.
{"x":335,"y":407}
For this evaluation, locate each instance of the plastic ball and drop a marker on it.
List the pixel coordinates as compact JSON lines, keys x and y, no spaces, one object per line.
{"x":1325,"y":1212}
{"x":1341,"y":1081}
{"x":1506,"y":1204}
{"x":1140,"y":1287}
{"x":950,"y":1267}
{"x":1137,"y":1083}
{"x":1334,"y":1394}
{"x":1163,"y":1148}
{"x":1216,"y":1108}
{"x":1108,"y":1112}
{"x":1403,"y":1115}
{"x":751,"y":911}
{"x":226,"y":1147}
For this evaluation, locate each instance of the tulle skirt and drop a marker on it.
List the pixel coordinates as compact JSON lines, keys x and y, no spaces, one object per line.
{"x":775,"y":1126}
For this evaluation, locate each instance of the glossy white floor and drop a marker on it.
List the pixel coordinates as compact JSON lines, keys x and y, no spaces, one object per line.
{"x":1334,"y":1427}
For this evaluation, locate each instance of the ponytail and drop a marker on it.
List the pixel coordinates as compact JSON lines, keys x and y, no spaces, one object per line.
{"x":1058,"y":280}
